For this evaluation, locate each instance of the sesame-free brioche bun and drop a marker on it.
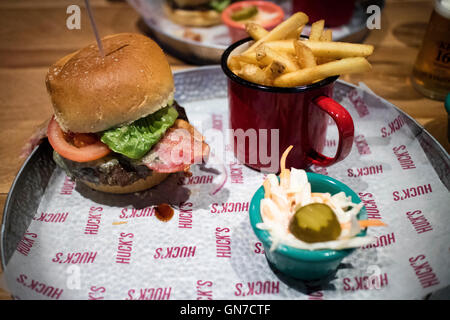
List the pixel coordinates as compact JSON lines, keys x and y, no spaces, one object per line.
{"x":152,"y":180}
{"x":91,"y":93}
{"x":193,"y":18}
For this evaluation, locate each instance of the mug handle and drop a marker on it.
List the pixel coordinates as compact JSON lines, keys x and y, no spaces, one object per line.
{"x":345,"y":127}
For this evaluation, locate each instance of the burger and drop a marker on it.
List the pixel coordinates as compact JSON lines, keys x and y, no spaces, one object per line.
{"x":116,"y":126}
{"x":195,"y":13}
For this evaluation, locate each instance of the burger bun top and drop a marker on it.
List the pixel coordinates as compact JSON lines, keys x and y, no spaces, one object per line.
{"x":91,"y":93}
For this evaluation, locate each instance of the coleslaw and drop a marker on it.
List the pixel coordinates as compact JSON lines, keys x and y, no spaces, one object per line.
{"x":292,"y":191}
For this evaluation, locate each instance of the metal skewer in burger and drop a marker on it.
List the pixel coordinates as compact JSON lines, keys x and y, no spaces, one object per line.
{"x":116,"y":126}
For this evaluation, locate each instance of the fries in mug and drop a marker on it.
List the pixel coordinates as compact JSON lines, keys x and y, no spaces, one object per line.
{"x":281,"y":58}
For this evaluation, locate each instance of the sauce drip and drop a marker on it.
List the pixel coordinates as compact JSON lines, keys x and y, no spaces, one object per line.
{"x":164,"y":212}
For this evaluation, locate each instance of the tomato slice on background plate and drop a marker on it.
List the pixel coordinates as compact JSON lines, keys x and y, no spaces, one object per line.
{"x":89,"y":149}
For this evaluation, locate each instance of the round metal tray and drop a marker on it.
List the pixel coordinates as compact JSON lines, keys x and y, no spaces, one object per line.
{"x":193,"y":86}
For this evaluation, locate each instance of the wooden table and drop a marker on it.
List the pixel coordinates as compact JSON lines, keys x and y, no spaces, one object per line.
{"x":33,"y":35}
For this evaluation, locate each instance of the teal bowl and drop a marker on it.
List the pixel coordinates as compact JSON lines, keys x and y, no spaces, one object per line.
{"x":298,"y":263}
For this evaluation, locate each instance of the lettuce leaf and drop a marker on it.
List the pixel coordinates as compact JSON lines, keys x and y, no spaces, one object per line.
{"x":219,"y":5}
{"x":136,"y":139}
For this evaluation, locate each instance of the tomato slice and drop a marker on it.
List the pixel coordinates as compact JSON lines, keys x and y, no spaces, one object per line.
{"x":90,"y":149}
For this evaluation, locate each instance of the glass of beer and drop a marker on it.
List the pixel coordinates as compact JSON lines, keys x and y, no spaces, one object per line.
{"x":431,"y":72}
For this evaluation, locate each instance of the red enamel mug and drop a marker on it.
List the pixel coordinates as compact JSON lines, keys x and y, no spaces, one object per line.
{"x":266,"y":120}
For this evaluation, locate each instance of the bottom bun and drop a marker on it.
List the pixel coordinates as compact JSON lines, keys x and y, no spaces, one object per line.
{"x":193,"y":18}
{"x":142,"y":184}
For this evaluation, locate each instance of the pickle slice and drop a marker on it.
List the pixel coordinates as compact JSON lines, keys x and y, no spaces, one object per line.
{"x":315,"y":222}
{"x":244,"y":13}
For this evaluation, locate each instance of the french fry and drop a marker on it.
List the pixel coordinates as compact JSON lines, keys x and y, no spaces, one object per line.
{"x":261,"y":55}
{"x":269,"y":76}
{"x":310,"y":75}
{"x":267,"y":56}
{"x":316,"y":30}
{"x":252,"y":73}
{"x":293,"y":59}
{"x":338,"y":50}
{"x":285,"y":46}
{"x":331,"y":49}
{"x":280,"y":31}
{"x":255,"y":31}
{"x":327,"y":35}
{"x":277,"y":68}
{"x":272,"y":71}
{"x":249,"y":58}
{"x":234,"y":64}
{"x":295,"y":34}
{"x":305,"y":56}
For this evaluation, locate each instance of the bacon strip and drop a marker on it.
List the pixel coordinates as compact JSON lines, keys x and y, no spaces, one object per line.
{"x":35,"y":139}
{"x":181,"y":146}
